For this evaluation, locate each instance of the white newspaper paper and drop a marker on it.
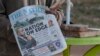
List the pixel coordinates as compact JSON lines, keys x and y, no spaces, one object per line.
{"x":37,"y":33}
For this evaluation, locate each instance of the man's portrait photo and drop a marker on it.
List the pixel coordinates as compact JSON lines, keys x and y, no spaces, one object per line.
{"x":25,"y":42}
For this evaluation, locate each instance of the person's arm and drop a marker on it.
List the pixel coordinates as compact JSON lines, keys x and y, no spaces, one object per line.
{"x":5,"y":28}
{"x":4,"y":22}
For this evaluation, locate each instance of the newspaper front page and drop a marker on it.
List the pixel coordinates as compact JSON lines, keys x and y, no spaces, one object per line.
{"x":37,"y":33}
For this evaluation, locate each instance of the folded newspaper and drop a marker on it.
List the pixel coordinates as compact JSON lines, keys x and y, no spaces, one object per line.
{"x":37,"y":33}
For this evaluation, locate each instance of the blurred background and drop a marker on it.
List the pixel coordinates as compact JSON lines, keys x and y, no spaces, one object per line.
{"x":85,"y":12}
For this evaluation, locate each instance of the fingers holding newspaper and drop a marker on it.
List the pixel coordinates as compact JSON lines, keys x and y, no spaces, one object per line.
{"x":58,"y":14}
{"x":56,"y":4}
{"x":53,"y":7}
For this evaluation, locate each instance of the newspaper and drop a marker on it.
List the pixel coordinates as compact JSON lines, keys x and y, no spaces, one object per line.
{"x":37,"y":33}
